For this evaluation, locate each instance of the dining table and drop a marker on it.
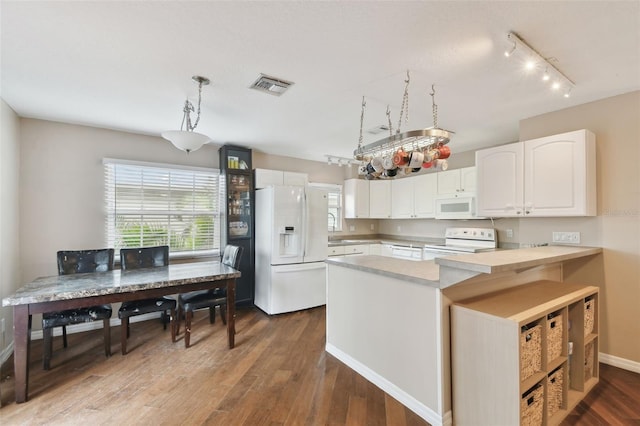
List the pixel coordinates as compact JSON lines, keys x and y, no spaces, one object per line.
{"x":61,"y":292}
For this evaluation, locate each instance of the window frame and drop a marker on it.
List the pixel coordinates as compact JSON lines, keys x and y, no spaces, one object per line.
{"x":111,"y":210}
{"x":333,"y":188}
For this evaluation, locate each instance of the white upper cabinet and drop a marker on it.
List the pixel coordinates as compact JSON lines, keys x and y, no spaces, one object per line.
{"x":456,"y":181}
{"x":266,"y":177}
{"x":379,"y":199}
{"x":500,"y":181}
{"x":550,"y":176}
{"x":356,"y":198}
{"x":414,"y":197}
{"x":295,"y":178}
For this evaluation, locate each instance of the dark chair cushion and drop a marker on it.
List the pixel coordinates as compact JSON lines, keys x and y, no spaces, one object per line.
{"x":145,"y":306}
{"x":75,"y":316}
{"x":202,"y":299}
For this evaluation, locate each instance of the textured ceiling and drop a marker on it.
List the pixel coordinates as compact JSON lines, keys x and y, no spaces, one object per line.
{"x":128,"y":65}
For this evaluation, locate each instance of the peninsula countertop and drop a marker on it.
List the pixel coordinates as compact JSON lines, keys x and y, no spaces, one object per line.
{"x":429,"y":271}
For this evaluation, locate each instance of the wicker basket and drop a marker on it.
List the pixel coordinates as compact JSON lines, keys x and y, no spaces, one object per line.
{"x":589,"y":315}
{"x":531,"y":407}
{"x":530,"y":351}
{"x":554,"y":391}
{"x":588,"y":361}
{"x":554,"y":337}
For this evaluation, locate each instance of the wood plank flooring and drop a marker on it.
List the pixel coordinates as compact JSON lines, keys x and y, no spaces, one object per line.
{"x":278,"y":374}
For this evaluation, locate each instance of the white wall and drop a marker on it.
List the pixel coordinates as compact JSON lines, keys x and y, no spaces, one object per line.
{"x":10,"y":276}
{"x":62,"y":185}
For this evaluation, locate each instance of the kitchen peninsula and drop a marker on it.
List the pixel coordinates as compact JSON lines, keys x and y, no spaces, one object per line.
{"x":388,"y":318}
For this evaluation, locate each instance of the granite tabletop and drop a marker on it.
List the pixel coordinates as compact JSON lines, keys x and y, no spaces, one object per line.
{"x":64,"y":287}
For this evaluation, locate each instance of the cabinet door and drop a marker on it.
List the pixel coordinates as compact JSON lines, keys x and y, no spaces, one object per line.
{"x":375,"y":249}
{"x":449,"y":182}
{"x":425,"y":189}
{"x":265,"y":177}
{"x":560,"y":175}
{"x":500,"y":181}
{"x":402,"y":198}
{"x":380,"y":199}
{"x":356,"y":198}
{"x":468,"y":179}
{"x":294,"y":178}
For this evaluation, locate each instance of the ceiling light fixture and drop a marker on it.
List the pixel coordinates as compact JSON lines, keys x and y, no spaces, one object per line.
{"x":532,"y":60}
{"x":185,"y":138}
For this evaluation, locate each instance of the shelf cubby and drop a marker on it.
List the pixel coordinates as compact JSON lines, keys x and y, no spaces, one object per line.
{"x":511,"y":380}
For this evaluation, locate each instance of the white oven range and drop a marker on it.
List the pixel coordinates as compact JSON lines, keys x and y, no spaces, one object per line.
{"x":462,"y":240}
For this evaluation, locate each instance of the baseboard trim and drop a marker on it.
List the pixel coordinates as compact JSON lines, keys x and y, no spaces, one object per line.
{"x":94,"y":325}
{"x":625,"y":364}
{"x":407,"y":400}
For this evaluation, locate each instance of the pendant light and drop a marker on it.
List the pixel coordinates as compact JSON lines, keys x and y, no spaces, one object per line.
{"x":186,"y":139}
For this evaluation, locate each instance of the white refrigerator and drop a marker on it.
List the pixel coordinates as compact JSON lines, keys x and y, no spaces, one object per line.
{"x":291,"y":247}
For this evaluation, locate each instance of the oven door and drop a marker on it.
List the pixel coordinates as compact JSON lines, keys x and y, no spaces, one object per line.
{"x":432,"y":253}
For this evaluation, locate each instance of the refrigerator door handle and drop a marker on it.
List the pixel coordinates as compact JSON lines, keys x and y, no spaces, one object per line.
{"x":305,"y":224}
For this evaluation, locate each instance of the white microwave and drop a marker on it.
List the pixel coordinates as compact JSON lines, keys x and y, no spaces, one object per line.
{"x":456,"y":206}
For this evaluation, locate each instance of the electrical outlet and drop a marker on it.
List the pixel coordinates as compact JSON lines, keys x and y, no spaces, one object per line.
{"x":399,"y":228}
{"x":352,"y":228}
{"x":566,"y":237}
{"x":373,"y":227}
{"x":509,"y":233}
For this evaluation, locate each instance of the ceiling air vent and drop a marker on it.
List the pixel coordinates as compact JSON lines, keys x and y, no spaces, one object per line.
{"x":271,"y":85}
{"x":378,"y":129}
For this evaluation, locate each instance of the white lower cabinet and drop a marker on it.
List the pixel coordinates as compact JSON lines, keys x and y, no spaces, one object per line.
{"x":336,"y":251}
{"x":527,"y":355}
{"x":375,"y":249}
{"x":356,"y":249}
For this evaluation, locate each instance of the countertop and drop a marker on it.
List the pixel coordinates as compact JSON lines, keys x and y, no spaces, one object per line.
{"x":63,"y":287}
{"x":428,"y":271}
{"x":385,"y":240}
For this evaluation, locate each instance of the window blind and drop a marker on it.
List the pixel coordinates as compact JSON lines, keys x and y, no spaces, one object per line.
{"x":153,"y":204}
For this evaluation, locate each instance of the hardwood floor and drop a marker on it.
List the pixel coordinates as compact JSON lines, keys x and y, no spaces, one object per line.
{"x":278,"y":374}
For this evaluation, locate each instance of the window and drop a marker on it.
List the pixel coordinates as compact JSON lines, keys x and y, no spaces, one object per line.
{"x":334,"y":215}
{"x":158,"y":204}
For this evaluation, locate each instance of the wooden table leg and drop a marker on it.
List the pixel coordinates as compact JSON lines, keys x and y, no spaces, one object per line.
{"x":231,"y":311}
{"x":21,"y":345}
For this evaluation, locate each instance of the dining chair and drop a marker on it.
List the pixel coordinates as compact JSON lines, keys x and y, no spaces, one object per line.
{"x":78,"y":262}
{"x":138,"y":258}
{"x":192,"y":301}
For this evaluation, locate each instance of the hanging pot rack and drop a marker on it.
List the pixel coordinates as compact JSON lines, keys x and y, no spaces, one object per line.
{"x":420,"y":139}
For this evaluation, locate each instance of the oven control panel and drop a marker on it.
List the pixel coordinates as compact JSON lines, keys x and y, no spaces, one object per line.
{"x":478,"y":234}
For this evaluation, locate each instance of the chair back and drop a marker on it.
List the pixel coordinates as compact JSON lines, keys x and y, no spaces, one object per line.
{"x":231,"y":256}
{"x":144,"y":257}
{"x":85,"y":261}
